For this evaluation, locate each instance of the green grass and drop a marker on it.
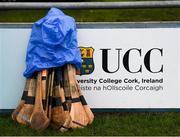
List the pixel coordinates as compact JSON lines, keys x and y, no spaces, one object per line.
{"x":167,"y":123}
{"x":114,"y":15}
{"x":108,"y":15}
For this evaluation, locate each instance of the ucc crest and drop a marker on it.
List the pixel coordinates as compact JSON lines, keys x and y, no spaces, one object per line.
{"x":87,"y":61}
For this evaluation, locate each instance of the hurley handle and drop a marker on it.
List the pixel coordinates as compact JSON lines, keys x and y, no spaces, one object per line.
{"x":44,"y":86}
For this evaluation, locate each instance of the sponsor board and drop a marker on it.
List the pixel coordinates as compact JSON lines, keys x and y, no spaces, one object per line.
{"x":124,"y":66}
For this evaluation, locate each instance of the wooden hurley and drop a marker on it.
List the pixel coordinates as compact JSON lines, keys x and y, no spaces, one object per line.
{"x":22,"y":102}
{"x":68,"y":120}
{"x":60,"y":114}
{"x":48,"y":92}
{"x":77,"y":112}
{"x":53,"y":96}
{"x":44,"y":86}
{"x":66,"y":86}
{"x":39,"y":119}
{"x":85,"y":105}
{"x":50,"y":88}
{"x":83,"y":101}
{"x":24,"y":114}
{"x":57,"y":108}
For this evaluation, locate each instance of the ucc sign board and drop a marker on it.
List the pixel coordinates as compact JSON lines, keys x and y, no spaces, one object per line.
{"x":127,"y":65}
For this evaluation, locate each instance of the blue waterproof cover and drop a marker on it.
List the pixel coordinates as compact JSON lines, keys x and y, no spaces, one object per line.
{"x":53,"y":43}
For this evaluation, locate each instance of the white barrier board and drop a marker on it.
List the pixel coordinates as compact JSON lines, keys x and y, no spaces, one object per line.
{"x":123,"y":67}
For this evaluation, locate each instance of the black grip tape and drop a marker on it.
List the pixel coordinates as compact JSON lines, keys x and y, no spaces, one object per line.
{"x":65,"y":106}
{"x":68,"y":98}
{"x":24,"y":95}
{"x":74,"y":100}
{"x":56,"y":101}
{"x":30,"y":100}
{"x":43,"y":78}
{"x":83,"y":101}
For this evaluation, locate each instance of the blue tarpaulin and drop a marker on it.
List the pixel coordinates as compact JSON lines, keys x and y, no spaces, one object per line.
{"x":53,"y":43}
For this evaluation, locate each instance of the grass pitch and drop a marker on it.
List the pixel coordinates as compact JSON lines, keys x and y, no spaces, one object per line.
{"x":160,"y":124}
{"x":113,"y":15}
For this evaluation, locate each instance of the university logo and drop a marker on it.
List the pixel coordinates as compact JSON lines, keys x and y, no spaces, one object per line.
{"x":87,"y":60}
